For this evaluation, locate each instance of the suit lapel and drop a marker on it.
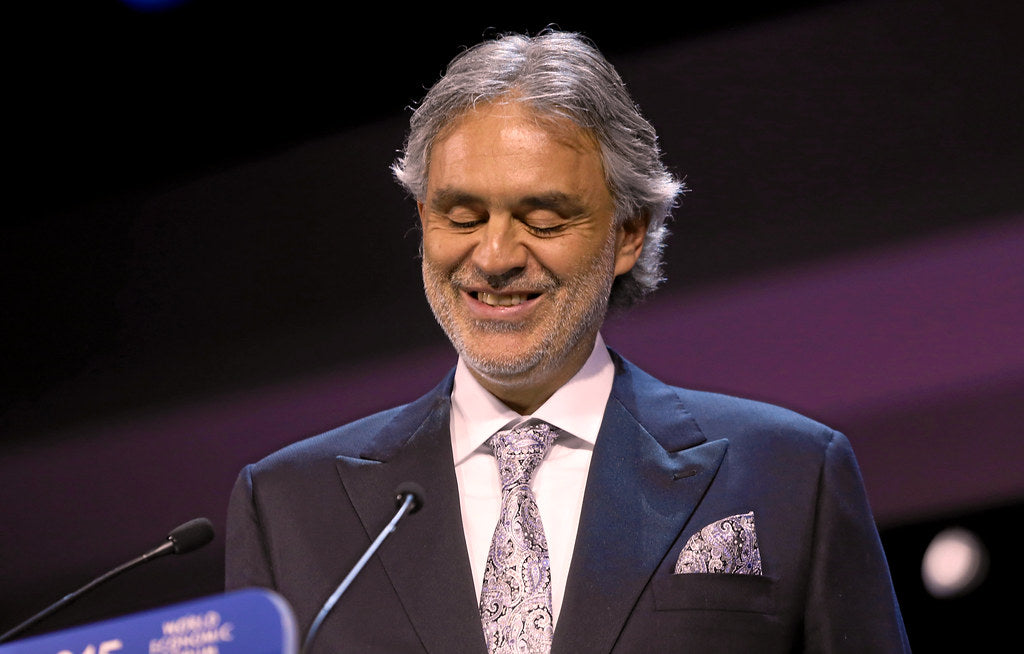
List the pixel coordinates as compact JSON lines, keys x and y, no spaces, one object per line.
{"x":650,"y":469}
{"x":426,"y":560}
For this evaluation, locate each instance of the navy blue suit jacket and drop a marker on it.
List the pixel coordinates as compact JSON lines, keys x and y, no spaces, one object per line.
{"x":667,"y":462}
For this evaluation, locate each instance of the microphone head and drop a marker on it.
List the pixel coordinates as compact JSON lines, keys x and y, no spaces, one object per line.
{"x":407,"y":488}
{"x":191,"y":536}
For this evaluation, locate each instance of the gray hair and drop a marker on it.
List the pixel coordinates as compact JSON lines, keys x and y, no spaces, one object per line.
{"x":559,"y":74}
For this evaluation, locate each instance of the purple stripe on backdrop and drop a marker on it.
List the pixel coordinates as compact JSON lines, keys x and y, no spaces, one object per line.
{"x":849,"y":333}
{"x":132,"y":474}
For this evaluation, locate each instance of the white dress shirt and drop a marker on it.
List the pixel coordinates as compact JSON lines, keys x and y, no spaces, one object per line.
{"x":576,"y":409}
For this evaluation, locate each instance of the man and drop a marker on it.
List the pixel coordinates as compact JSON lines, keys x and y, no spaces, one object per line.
{"x":609,"y":512}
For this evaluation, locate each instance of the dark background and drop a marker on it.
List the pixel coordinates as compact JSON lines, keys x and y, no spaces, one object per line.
{"x":204,"y":257}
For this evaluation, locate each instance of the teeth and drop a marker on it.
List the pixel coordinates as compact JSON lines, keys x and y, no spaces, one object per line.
{"x":501,"y":300}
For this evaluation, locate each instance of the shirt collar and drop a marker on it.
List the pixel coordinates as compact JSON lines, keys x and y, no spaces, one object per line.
{"x":577,"y":407}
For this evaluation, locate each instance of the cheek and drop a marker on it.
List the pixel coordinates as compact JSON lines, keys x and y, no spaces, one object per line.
{"x":572,"y":258}
{"x":439,"y":251}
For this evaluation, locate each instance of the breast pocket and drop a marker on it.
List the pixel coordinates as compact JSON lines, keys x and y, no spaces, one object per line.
{"x":714,"y":592}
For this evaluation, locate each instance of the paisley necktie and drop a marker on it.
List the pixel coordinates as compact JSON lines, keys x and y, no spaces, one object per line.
{"x":515,"y":601}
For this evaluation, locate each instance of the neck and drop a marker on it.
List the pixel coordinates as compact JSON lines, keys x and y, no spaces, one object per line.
{"x":525,"y":393}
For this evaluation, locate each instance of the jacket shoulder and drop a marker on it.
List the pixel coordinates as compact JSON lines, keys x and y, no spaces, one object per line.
{"x":716,"y":415}
{"x":721,"y":414}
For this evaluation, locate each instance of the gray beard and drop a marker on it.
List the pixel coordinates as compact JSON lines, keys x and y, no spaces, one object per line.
{"x":548,"y":354}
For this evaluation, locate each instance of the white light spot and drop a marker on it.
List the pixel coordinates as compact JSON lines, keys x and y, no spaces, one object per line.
{"x":954,"y":563}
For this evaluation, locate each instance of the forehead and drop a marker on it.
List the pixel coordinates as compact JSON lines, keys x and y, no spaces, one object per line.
{"x":508,"y":143}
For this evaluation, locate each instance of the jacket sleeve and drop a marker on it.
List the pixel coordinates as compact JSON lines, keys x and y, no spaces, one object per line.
{"x":246,"y":560}
{"x":851,"y":605}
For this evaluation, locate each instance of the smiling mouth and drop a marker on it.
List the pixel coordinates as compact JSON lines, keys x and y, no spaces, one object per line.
{"x":505,"y":300}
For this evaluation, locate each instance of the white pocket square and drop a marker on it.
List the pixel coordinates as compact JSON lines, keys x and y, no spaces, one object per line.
{"x":726,"y":546}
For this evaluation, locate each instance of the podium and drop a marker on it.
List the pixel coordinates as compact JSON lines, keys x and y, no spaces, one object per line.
{"x":250,"y":621}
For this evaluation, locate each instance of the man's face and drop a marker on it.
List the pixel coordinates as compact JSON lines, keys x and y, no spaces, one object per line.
{"x":519,"y":246}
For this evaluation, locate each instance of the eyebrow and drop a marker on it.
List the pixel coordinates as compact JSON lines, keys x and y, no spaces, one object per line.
{"x":563,"y":203}
{"x":445,"y":198}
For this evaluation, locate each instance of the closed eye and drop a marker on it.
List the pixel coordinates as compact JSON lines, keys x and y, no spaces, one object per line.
{"x":543,"y":230}
{"x":549,"y":213}
{"x":464,"y":218}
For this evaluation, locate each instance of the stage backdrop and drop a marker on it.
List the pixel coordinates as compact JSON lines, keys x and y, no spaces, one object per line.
{"x":208,"y":260}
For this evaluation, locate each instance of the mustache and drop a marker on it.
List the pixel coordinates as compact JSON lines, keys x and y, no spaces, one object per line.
{"x":517,"y":278}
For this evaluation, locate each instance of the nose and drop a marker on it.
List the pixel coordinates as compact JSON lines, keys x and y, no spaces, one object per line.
{"x":500,"y":251}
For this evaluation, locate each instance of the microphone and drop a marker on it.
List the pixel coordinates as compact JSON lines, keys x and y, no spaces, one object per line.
{"x":408,"y":499}
{"x":411,"y":490}
{"x":183,"y":539}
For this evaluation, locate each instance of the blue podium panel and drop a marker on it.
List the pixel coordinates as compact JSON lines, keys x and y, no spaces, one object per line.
{"x":241,"y":622}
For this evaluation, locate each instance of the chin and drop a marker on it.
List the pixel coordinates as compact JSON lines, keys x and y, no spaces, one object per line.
{"x":502,"y":362}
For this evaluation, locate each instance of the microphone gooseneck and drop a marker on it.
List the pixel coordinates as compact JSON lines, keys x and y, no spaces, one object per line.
{"x":408,"y":499}
{"x":183,"y":539}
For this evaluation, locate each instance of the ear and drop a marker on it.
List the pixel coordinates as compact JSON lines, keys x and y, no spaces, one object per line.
{"x":629,"y":243}
{"x":420,"y":209}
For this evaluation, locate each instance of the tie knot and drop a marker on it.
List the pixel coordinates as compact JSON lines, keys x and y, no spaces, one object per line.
{"x":520,"y":450}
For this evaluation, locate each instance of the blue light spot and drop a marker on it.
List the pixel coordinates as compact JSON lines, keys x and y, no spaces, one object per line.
{"x":153,"y":5}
